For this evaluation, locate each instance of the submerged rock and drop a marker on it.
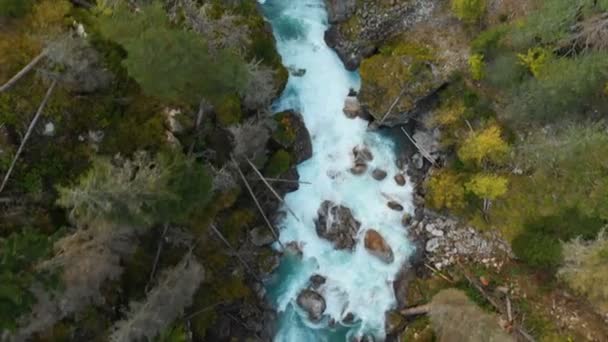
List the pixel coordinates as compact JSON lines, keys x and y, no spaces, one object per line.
{"x":316,"y":281}
{"x":313,"y":303}
{"x":349,"y":318}
{"x":379,"y":174}
{"x":337,"y":224}
{"x":378,"y":247}
{"x":358,"y":169}
{"x":395,"y":206}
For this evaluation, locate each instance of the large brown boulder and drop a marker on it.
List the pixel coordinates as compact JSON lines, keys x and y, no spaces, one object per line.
{"x":378,"y":247}
{"x":337,"y":224}
{"x":313,"y":303}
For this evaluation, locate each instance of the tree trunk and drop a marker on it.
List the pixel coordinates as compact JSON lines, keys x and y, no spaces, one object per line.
{"x":233,"y":251}
{"x":272,"y":189}
{"x":257,"y":203}
{"x":23,"y":72}
{"x":417,"y":310}
{"x":28,"y":133}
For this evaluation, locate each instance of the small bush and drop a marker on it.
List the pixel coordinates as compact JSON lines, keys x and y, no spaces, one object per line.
{"x":477,"y":66}
{"x":445,"y":190}
{"x":469,"y":11}
{"x":540,"y":243}
{"x":279,"y":163}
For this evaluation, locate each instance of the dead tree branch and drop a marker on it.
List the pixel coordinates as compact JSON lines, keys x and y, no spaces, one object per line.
{"x":278,"y":197}
{"x":28,"y":133}
{"x":23,"y":71}
{"x":424,"y":153}
{"x":235,"y":252}
{"x":257,"y":203}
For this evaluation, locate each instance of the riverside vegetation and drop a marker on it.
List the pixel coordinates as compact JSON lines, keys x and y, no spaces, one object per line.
{"x":518,"y":93}
{"x":121,"y":215}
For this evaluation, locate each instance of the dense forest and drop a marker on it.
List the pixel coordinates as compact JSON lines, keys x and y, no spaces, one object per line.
{"x":142,"y":166}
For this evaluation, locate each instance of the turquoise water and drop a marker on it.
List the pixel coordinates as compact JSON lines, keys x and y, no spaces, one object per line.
{"x":356,"y":282}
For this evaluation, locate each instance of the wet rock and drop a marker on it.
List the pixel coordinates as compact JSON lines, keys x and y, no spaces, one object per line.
{"x":378,"y":247}
{"x":406,"y":220}
{"x":296,"y":72}
{"x":313,"y":303}
{"x":358,"y":169}
{"x":394,"y":322}
{"x":261,"y":236}
{"x":302,"y":146}
{"x":337,"y":224}
{"x":293,"y":248}
{"x":362,"y":154}
{"x":349,"y":318}
{"x":418,"y":161}
{"x":395,"y":206}
{"x":352,"y":107}
{"x":379,"y":174}
{"x":400,"y":179}
{"x":316,"y":281}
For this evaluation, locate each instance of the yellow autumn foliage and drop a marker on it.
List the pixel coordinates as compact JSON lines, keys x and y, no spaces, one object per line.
{"x":445,"y":190}
{"x":484,"y":146}
{"x":488,"y":186}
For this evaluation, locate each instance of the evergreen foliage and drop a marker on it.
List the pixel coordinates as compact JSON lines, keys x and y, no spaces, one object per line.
{"x":585,"y":271}
{"x":539,"y":244}
{"x":171,"y":63}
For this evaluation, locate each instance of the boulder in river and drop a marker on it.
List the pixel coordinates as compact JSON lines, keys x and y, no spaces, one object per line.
{"x":379,"y":174}
{"x":352,"y":107}
{"x":358,"y":169}
{"x":378,"y":247}
{"x":400,"y":179}
{"x":395,"y":206}
{"x":362,"y":154}
{"x":313,"y":303}
{"x":293,"y":135}
{"x":337,"y":224}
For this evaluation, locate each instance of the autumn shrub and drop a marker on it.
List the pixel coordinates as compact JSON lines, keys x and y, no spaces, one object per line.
{"x":485,"y":146}
{"x":477,"y":66}
{"x":469,"y":11}
{"x":445,"y":190}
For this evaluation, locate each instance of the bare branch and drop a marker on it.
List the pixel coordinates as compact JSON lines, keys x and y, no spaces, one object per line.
{"x":28,"y":133}
{"x":23,"y":71}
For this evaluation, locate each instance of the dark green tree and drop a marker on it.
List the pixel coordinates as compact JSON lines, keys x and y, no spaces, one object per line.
{"x":169,"y":62}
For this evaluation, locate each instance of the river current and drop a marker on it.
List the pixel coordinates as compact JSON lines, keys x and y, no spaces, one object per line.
{"x":356,"y":282}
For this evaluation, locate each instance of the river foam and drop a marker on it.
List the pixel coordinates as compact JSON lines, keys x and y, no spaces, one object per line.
{"x":357,"y":282}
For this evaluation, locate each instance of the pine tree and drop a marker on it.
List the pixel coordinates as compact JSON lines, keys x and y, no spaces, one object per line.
{"x":171,"y":63}
{"x":166,"y":302}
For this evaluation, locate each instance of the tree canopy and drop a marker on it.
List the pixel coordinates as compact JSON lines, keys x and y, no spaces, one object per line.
{"x":169,"y":62}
